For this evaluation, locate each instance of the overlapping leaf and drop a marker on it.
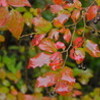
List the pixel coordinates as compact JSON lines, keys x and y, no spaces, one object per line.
{"x":78,"y":42}
{"x":56,"y":61}
{"x":47,"y":45}
{"x":54,"y":34}
{"x":77,"y":54}
{"x":63,"y":80}
{"x":92,"y":48}
{"x":37,"y":39}
{"x":60,"y":20}
{"x":41,"y":25}
{"x":75,"y":15}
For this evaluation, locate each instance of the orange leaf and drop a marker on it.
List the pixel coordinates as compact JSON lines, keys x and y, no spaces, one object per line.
{"x":67,"y":35}
{"x":92,"y":48}
{"x":3,"y":16}
{"x":15,"y":23}
{"x":75,"y":15}
{"x":92,"y":12}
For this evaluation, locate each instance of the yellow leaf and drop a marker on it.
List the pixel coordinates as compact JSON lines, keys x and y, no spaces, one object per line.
{"x":2,"y":38}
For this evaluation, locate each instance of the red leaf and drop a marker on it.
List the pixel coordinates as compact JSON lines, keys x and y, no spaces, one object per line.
{"x":75,"y":15}
{"x":78,"y":42}
{"x":54,"y":34}
{"x":15,"y":23}
{"x":37,"y":39}
{"x":47,"y":80}
{"x":67,"y":35}
{"x":47,"y":45}
{"x":60,"y":45}
{"x":58,"y":1}
{"x":56,"y":61}
{"x":3,"y":16}
{"x":92,"y":12}
{"x":18,"y":3}
{"x":92,"y":48}
{"x":62,"y":87}
{"x":39,"y":60}
{"x":3,"y":3}
{"x":67,"y":75}
{"x":61,"y":19}
{"x":77,"y":54}
{"x":56,"y":8}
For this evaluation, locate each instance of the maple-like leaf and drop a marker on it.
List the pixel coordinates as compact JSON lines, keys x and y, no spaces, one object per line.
{"x":18,"y":3}
{"x":3,"y":3}
{"x":60,"y":45}
{"x":62,"y":88}
{"x":3,"y":16}
{"x":67,"y":35}
{"x":15,"y":23}
{"x":41,"y":25}
{"x":56,"y":61}
{"x":47,"y":80}
{"x":37,"y":39}
{"x":39,"y":60}
{"x":92,"y":48}
{"x":78,"y":42}
{"x":54,"y":34}
{"x":77,"y":54}
{"x":60,"y":20}
{"x":56,"y":8}
{"x":75,"y":15}
{"x":92,"y":12}
{"x":47,"y":45}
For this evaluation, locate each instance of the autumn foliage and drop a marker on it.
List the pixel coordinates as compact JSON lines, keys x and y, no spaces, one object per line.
{"x":57,"y":40}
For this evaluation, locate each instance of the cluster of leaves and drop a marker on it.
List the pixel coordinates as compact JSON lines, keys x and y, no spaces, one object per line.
{"x":56,"y":36}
